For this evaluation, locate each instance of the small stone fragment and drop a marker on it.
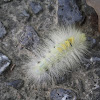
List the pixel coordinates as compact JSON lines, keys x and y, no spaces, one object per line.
{"x":68,"y":12}
{"x":25,"y":13}
{"x":17,"y":84}
{"x":36,"y":7}
{"x":29,"y":38}
{"x":4,"y":63}
{"x":62,"y":94}
{"x":2,"y":30}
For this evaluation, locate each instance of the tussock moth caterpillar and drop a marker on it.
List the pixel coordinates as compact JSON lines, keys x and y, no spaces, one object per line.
{"x":61,"y":51}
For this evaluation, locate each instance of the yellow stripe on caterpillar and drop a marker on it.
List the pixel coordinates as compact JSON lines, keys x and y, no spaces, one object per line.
{"x":67,"y":43}
{"x":59,"y":49}
{"x":71,"y":40}
{"x":64,"y":46}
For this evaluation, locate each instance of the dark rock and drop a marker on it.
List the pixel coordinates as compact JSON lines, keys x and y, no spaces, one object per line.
{"x":62,"y":94}
{"x":4,"y":63}
{"x":90,"y":23}
{"x":2,"y":30}
{"x":96,"y":96}
{"x":42,"y":0}
{"x":17,"y":84}
{"x":68,"y":12}
{"x":36,"y":7}
{"x":97,"y":72}
{"x":51,"y":8}
{"x":29,"y":38}
{"x":89,"y":38}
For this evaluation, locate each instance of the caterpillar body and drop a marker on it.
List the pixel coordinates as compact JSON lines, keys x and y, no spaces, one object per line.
{"x":63,"y":50}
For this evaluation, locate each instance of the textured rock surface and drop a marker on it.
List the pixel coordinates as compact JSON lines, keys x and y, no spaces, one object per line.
{"x":2,"y":30}
{"x":7,"y":0}
{"x":96,"y":5}
{"x":36,"y":7}
{"x":24,"y":28}
{"x":62,"y":94}
{"x":68,"y":12}
{"x":4,"y":63}
{"x":29,"y":38}
{"x":90,"y":19}
{"x":17,"y":84}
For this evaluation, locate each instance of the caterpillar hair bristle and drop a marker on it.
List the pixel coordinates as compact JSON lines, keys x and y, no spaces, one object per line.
{"x":63,"y":50}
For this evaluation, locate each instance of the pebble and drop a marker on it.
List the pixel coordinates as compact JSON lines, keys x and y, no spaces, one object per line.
{"x":2,"y":30}
{"x":36,"y":7}
{"x":68,"y":12}
{"x":17,"y":84}
{"x":62,"y":94}
{"x":4,"y":63}
{"x":30,"y":38}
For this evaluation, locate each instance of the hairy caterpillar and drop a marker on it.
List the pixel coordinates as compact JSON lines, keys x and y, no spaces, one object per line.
{"x":63,"y":50}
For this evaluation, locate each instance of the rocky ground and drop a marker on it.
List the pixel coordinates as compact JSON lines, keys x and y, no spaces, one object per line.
{"x":22,"y":24}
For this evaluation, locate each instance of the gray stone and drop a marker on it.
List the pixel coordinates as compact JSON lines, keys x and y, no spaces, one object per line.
{"x":62,"y":94}
{"x":36,"y":7}
{"x":68,"y":12}
{"x":97,"y":72}
{"x":29,"y":39}
{"x":17,"y":84}
{"x":4,"y":63}
{"x":25,"y":13}
{"x":2,"y":30}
